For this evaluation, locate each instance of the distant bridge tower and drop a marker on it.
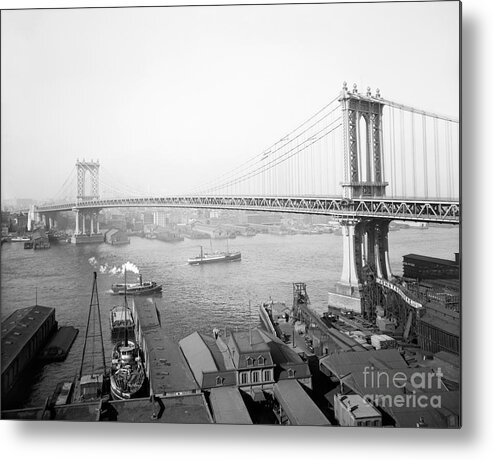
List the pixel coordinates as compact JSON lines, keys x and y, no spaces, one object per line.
{"x":87,"y":220}
{"x":365,"y":240}
{"x":92,"y":168}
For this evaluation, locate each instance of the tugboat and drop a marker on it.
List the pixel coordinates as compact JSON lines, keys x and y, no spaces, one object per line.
{"x":127,"y":371}
{"x":140,"y":288}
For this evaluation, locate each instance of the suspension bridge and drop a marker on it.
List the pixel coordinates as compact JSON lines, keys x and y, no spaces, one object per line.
{"x":362,"y":159}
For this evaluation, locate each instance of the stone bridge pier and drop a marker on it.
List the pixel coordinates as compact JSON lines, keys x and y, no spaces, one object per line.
{"x":87,"y":226}
{"x":365,"y":245}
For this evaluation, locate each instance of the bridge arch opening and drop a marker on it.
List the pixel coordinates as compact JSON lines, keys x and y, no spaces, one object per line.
{"x":364,"y":151}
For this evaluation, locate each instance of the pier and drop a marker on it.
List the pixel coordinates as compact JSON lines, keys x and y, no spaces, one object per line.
{"x":166,"y":369}
{"x":24,"y":333}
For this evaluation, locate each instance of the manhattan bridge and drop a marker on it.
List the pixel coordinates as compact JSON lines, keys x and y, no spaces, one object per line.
{"x":361,"y":159}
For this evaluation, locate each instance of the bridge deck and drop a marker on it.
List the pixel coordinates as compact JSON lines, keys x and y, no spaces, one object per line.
{"x":341,"y":208}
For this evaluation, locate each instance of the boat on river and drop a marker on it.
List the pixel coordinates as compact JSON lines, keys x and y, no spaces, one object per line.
{"x":140,"y":288}
{"x":127,"y":370}
{"x":20,"y":239}
{"x":214,"y":257}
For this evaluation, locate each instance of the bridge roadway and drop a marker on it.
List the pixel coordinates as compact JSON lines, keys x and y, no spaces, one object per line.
{"x":387,"y":208}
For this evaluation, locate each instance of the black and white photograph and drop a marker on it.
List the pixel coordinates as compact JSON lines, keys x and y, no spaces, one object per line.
{"x":233,"y":214}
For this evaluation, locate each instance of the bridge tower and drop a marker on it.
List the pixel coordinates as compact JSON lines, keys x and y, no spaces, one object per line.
{"x":365,"y":241}
{"x":92,"y":168}
{"x":362,"y":128}
{"x":86,"y":219}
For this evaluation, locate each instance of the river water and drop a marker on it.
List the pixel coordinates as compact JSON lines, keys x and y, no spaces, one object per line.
{"x":194,"y":297}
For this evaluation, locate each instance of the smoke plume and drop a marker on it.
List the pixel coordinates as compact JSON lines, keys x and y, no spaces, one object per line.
{"x":107,"y":269}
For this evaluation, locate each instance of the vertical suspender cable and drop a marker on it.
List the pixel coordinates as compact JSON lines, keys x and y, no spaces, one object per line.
{"x":332,"y":166}
{"x":425,"y":157}
{"x":413,"y":157}
{"x":319,"y":149}
{"x":332,"y":188}
{"x":309,"y":185}
{"x":403,"y":155}
{"x":394,"y":156}
{"x":448,"y":159}
{"x":437,"y":159}
{"x":298,"y":174}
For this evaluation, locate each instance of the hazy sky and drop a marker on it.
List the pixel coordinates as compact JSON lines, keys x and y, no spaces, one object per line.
{"x":166,"y":97}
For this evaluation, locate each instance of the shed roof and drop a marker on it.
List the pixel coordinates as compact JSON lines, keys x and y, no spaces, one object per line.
{"x":228,"y":406}
{"x":447,"y":323}
{"x":168,"y":371}
{"x":360,"y":407}
{"x":435,"y":260}
{"x":344,"y":363}
{"x":445,"y":416}
{"x":172,"y":409}
{"x":18,"y":329}
{"x":298,"y":406}
{"x":198,"y":356}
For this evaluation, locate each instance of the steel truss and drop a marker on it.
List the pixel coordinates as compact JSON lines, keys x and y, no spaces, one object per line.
{"x":341,"y":208}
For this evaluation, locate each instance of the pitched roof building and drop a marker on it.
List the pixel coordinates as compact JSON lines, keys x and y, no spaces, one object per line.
{"x":250,"y":360}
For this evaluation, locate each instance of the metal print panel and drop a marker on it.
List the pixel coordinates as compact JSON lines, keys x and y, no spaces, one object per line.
{"x":232,"y":215}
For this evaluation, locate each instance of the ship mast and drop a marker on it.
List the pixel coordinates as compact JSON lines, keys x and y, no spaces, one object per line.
{"x":94,"y":295}
{"x":125,"y":307}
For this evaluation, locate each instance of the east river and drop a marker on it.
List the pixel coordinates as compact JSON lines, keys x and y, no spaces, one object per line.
{"x":194,"y":297}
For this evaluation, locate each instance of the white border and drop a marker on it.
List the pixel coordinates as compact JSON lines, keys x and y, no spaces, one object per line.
{"x":75,"y":440}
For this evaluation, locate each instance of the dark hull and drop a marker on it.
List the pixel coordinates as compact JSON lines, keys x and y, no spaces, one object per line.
{"x":120,"y":394}
{"x":205,"y":260}
{"x":127,"y":372}
{"x":146,"y":291}
{"x":136,"y":289}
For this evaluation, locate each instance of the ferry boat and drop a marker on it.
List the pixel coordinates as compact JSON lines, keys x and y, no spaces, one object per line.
{"x":127,"y":371}
{"x":207,"y":258}
{"x":140,"y":288}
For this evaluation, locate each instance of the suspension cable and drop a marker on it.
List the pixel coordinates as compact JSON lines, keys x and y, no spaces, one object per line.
{"x":278,"y":160}
{"x":275,"y":147}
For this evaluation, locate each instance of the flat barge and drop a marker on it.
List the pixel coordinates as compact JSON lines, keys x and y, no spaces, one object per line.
{"x":59,"y":346}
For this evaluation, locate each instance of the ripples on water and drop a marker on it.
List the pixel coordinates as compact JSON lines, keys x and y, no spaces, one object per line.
{"x":194,"y":297}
